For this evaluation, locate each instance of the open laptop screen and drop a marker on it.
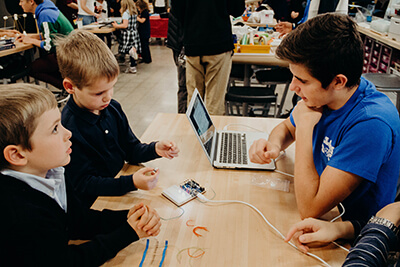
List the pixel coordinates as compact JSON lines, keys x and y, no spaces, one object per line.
{"x":202,"y":124}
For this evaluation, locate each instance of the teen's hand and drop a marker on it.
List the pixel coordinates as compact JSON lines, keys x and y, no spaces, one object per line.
{"x":167,"y":149}
{"x":144,"y":220}
{"x":391,"y":212}
{"x":313,"y":230}
{"x":263,"y":151}
{"x":305,"y":115}
{"x":145,"y":178}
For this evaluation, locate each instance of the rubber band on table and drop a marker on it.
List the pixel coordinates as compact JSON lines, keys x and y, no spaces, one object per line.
{"x":197,"y":228}
{"x":176,"y":217}
{"x":187,"y":223}
{"x":164,"y":252}
{"x":144,"y":253}
{"x":197,"y":249}
{"x":179,"y":256}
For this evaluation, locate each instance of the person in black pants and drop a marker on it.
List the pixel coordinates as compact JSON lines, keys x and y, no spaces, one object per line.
{"x":144,"y":29}
{"x":175,"y":42}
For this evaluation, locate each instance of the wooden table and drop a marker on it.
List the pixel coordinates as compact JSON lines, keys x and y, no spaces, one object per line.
{"x":237,"y":235}
{"x":99,"y":29}
{"x":19,"y":47}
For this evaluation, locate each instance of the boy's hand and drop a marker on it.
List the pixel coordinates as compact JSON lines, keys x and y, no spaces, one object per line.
{"x":144,"y":220}
{"x":167,"y":149}
{"x":263,"y":151}
{"x":313,"y":230}
{"x":305,"y":115}
{"x":145,"y":178}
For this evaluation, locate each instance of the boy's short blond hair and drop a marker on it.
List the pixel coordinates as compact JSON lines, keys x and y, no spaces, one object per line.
{"x":84,"y":58}
{"x":21,"y":104}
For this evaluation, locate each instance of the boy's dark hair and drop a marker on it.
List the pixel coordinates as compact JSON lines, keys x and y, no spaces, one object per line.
{"x":327,"y":45}
{"x":20,"y":106}
{"x":38,"y":2}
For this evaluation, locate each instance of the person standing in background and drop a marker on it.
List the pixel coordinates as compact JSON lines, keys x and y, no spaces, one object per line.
{"x":86,"y":11}
{"x":175,"y":42}
{"x":160,"y":6}
{"x":70,"y":9}
{"x":129,"y":38}
{"x":144,"y":29}
{"x":208,"y":43}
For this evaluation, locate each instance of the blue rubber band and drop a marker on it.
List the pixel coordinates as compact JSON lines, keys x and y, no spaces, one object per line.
{"x":163,"y":254}
{"x":144,"y":253}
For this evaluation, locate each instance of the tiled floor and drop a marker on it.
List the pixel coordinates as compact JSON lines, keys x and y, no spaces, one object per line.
{"x":152,"y":90}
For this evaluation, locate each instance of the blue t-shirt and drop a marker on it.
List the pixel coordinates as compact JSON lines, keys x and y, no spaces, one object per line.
{"x":363,"y":138}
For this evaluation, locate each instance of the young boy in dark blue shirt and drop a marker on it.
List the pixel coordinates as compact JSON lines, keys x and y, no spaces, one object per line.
{"x":101,"y":136}
{"x":40,"y":210}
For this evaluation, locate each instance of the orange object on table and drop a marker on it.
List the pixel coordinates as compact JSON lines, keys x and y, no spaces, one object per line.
{"x":158,"y":27}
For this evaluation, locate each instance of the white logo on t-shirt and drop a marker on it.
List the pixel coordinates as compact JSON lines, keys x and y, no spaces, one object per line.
{"x":327,"y":147}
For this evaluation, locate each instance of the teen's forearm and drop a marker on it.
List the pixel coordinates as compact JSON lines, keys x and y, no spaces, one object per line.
{"x":307,"y":180}
{"x":281,"y":135}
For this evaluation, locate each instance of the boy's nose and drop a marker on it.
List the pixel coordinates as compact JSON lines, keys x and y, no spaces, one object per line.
{"x":108,"y":96}
{"x":293,"y":87}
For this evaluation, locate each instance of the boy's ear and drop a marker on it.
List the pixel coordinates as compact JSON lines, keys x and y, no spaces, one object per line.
{"x":68,"y":86}
{"x":339,"y":82}
{"x":15,"y":155}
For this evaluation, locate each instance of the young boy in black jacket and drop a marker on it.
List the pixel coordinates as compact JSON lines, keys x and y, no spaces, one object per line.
{"x":40,"y":211}
{"x":102,"y":139}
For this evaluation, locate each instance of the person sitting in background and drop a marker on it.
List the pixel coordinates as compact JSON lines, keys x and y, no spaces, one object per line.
{"x":70,"y":10}
{"x":334,"y":162}
{"x":51,"y":23}
{"x":102,"y":140}
{"x":40,"y":210}
{"x":374,"y":241}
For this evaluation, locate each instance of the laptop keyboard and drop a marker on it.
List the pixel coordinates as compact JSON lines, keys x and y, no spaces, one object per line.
{"x":233,"y":148}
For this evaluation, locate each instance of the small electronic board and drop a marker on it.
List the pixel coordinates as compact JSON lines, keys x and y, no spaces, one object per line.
{"x":184,"y":192}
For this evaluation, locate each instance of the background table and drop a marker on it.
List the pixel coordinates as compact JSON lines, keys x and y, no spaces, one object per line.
{"x":237,"y":235}
{"x":19,"y":47}
{"x":158,"y":27}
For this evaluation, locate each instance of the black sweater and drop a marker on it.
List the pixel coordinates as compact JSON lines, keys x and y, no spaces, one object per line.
{"x":206,"y":24}
{"x":35,"y":230}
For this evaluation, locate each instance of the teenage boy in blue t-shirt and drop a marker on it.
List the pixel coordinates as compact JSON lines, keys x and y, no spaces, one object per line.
{"x":347,"y":133}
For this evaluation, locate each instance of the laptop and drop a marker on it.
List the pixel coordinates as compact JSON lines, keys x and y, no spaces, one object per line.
{"x":224,"y":149}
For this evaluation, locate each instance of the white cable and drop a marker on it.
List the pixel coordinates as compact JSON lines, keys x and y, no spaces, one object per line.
{"x":334,"y":219}
{"x":201,"y":197}
{"x":341,"y":214}
{"x":284,"y":173}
